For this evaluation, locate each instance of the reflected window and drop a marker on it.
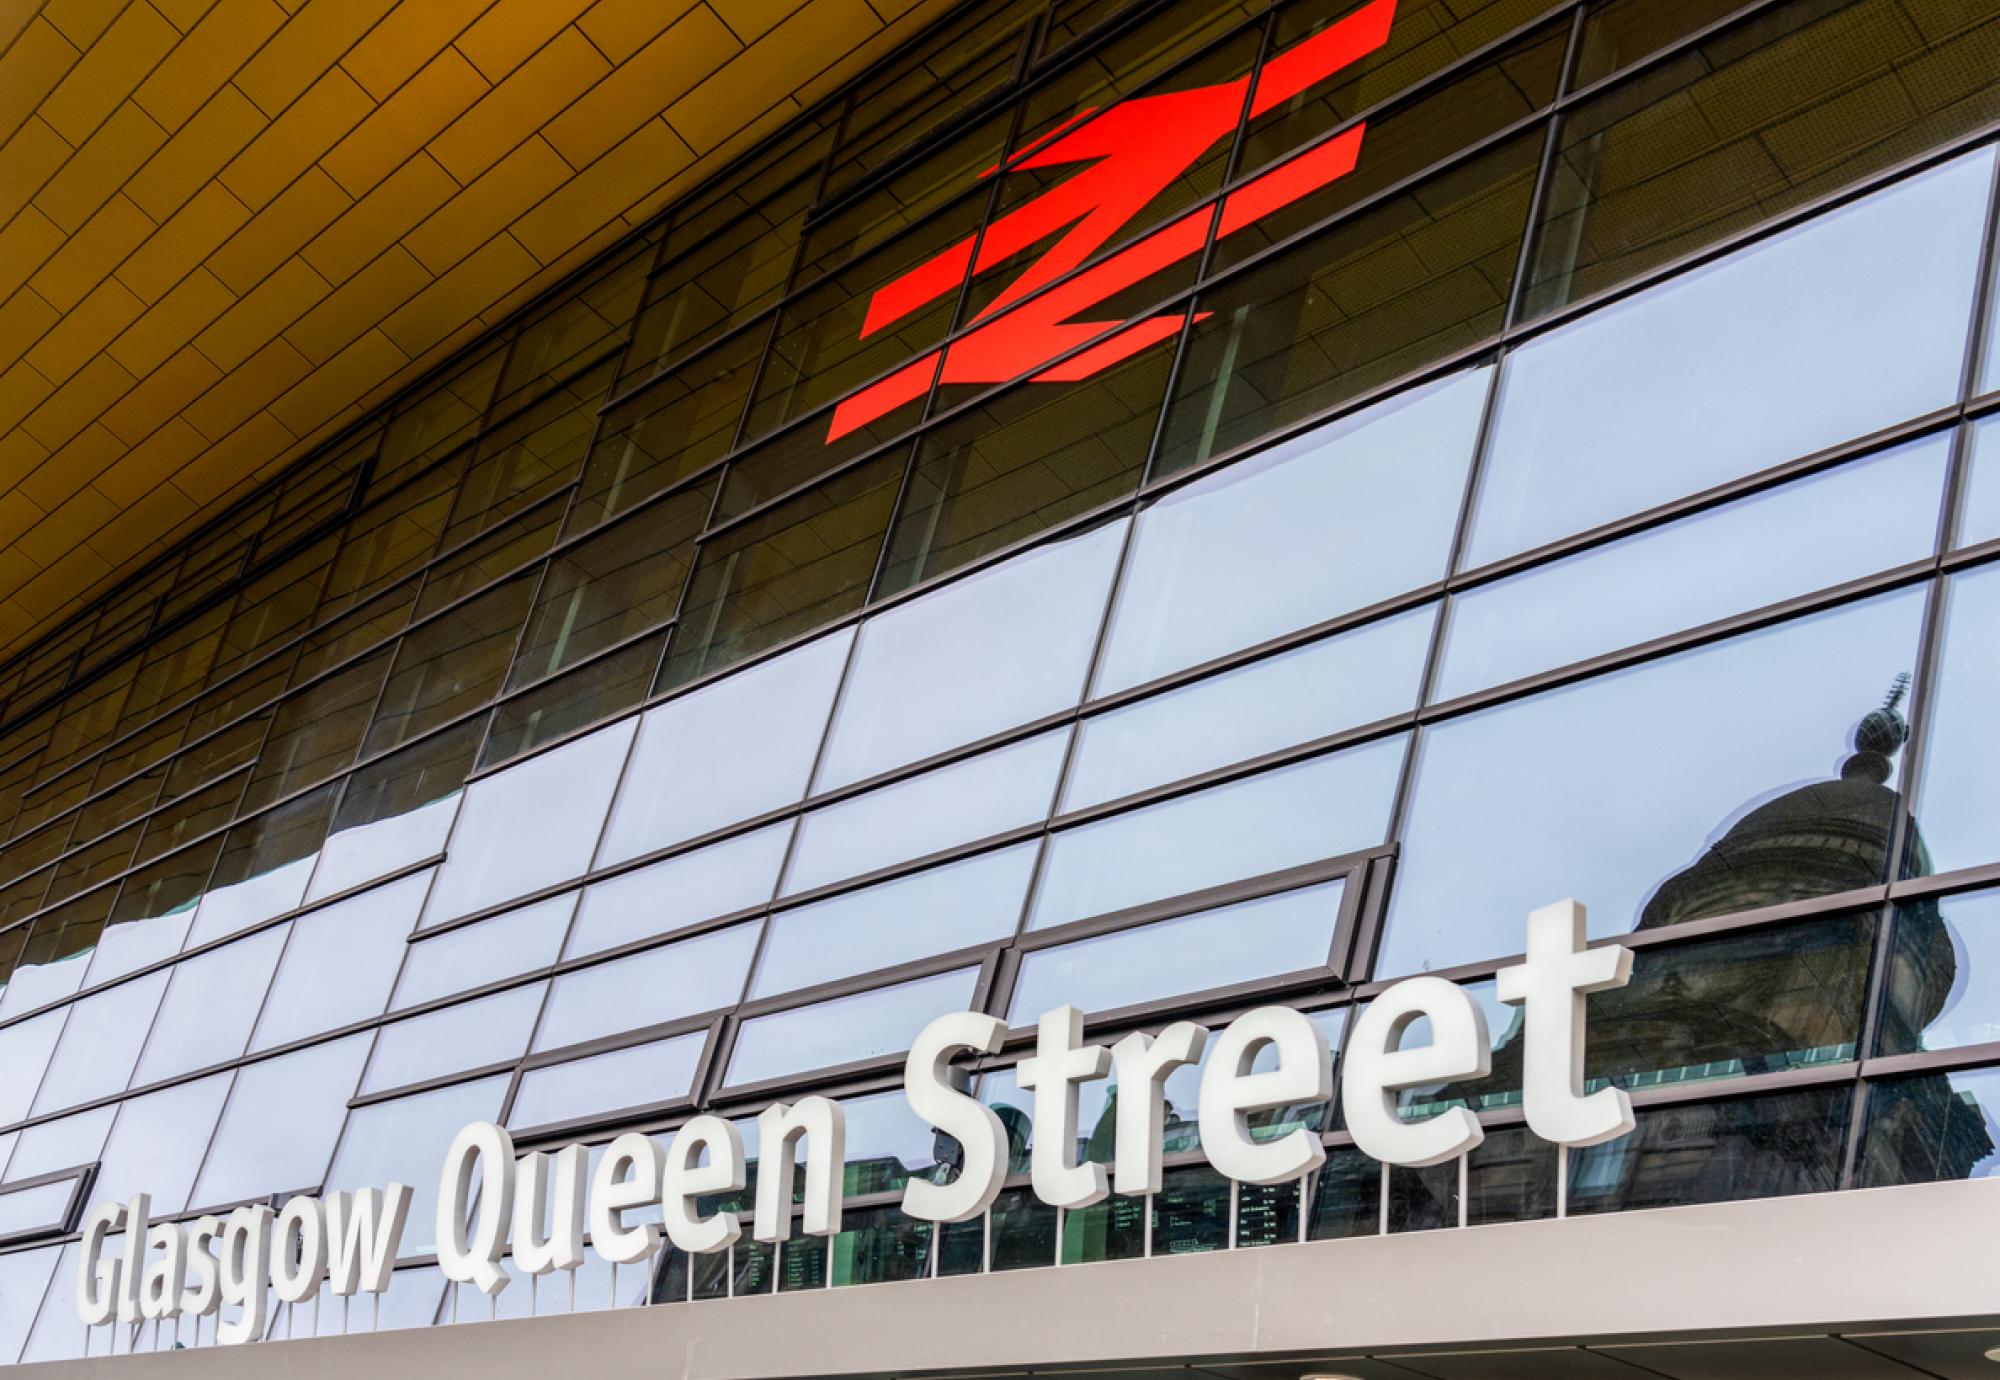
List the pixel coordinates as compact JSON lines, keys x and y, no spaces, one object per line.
{"x":576,"y":700}
{"x":307,"y":1094}
{"x":1943,"y":985}
{"x":670,"y":983}
{"x":1287,"y":933}
{"x":1002,"y":647}
{"x":1335,"y":520}
{"x":1716,"y":1152}
{"x":1338,"y":683}
{"x":735,"y":874}
{"x":340,"y":962}
{"x":846,"y":1030}
{"x":1932,"y":1127}
{"x":1811,"y":534}
{"x":404,"y":1142}
{"x":507,"y":842}
{"x":973,"y":901}
{"x":1818,"y":335}
{"x":1955,"y":813}
{"x":153,"y":911}
{"x":1321,"y":808}
{"x":662,"y":1071}
{"x":981,"y":796}
{"x":505,"y":946}
{"x":474,"y":1034}
{"x":748,"y":740}
{"x":1746,"y":773}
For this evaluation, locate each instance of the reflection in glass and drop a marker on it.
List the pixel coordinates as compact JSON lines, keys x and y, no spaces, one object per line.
{"x":1962,"y":757}
{"x":1320,"y":808}
{"x":1346,"y":1197}
{"x":976,"y":798}
{"x":1290,"y":932}
{"x":210,"y":1006}
{"x":1716,"y":1152}
{"x":264,"y":866}
{"x":156,"y":1144}
{"x":735,"y":874}
{"x":340,"y":962}
{"x":1943,"y":985}
{"x":1842,"y":326}
{"x":999,"y":648}
{"x":1763,"y":745}
{"x":847,"y":1029}
{"x":1344,"y":516}
{"x":659,"y":1072}
{"x":1511,"y":1177}
{"x":396,"y":811}
{"x":25,"y":1047}
{"x":1337,"y":683}
{"x":306,"y":1093}
{"x":1931,"y":1127}
{"x":1811,"y":534}
{"x":976,"y":900}
{"x":473,"y":1034}
{"x":651,"y":988}
{"x":24,"y":1277}
{"x":505,"y":946}
{"x":1423,"y":1199}
{"x":726,"y":752}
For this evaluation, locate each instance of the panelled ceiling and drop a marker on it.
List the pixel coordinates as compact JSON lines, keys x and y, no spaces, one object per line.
{"x":228,"y":227}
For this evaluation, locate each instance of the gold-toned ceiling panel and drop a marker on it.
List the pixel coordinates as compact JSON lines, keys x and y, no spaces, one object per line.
{"x":228,"y":227}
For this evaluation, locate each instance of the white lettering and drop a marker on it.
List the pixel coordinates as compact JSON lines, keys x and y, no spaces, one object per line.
{"x":822,"y":1124}
{"x":1230,"y":1091}
{"x":1550,"y":988}
{"x":1061,"y":1061}
{"x":1375,"y":1070}
{"x":982,"y":1140}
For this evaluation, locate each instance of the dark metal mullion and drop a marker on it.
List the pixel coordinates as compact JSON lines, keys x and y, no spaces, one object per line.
{"x":1544,"y":178}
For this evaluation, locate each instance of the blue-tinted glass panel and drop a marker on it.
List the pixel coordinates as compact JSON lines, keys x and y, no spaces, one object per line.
{"x":468,"y":1036}
{"x":505,"y":946}
{"x":724,"y":877}
{"x":1747,"y":773}
{"x":404,"y":1142}
{"x":1337,"y":519}
{"x":157,"y":1142}
{"x":25,"y":1047}
{"x":650,"y":988}
{"x":1956,"y":805}
{"x":636,"y":1077}
{"x":1290,"y":932}
{"x":306,"y":1093}
{"x":1932,"y":1127}
{"x":1979,"y":509}
{"x":24,"y":1276}
{"x":865,"y":1026}
{"x":100,"y":1044}
{"x":210,"y":1006}
{"x":1943,"y":986}
{"x":1832,"y":330}
{"x":340,"y":963}
{"x":1810,"y":534}
{"x":1294,"y":815}
{"x":1338,"y":683}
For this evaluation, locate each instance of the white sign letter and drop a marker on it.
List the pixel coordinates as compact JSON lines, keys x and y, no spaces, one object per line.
{"x":1550,"y":988}
{"x":246,"y":1274}
{"x":1061,"y":1061}
{"x":1230,"y":1091}
{"x":465,"y":1255}
{"x":166,"y":1268}
{"x":96,"y":1276}
{"x":1143,"y":1065}
{"x":562,"y":1248}
{"x":299,"y":1263}
{"x":822,"y":1124}
{"x":364,"y":1232}
{"x":1376,"y":1070}
{"x":687,"y":1177}
{"x":612,"y":1191}
{"x":981,"y":1138}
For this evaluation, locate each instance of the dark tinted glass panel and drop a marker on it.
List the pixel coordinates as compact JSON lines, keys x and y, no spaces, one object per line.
{"x":173,"y":668}
{"x":678,"y":425}
{"x":913,"y":191}
{"x":587,"y":695}
{"x":580,"y":327}
{"x":1023,"y":1230}
{"x":93,"y":863}
{"x":1943,"y":986}
{"x":1398,"y":287}
{"x":1423,"y":1199}
{"x":387,"y":541}
{"x":527,"y":458}
{"x":1714,"y":1152}
{"x":612,"y":585}
{"x":753,"y":1268}
{"x":1267,"y":1214}
{"x":354,"y":633}
{"x":168,"y":887}
{"x":1933,"y":1126}
{"x":1303,"y":101}
{"x":273,"y":608}
{"x":222,"y":751}
{"x":294,"y":830}
{"x":252,"y":690}
{"x":191,"y":817}
{"x":1766,"y":115}
{"x":407,"y":780}
{"x":1021,"y":463}
{"x":119,"y":805}
{"x":1114,"y":1229}
{"x":432,"y":425}
{"x":1127,"y":58}
{"x":802,"y":1263}
{"x":24,"y":898}
{"x":67,"y":930}
{"x":1191,"y":1212}
{"x":720,"y":273}
{"x":450,"y":665}
{"x":1511,"y":1177}
{"x":711,"y":1275}
{"x":134,"y":753}
{"x":1619,"y":33}
{"x":880,"y":1244}
{"x":315,"y":733}
{"x":500,"y":552}
{"x":32,"y":851}
{"x":788,"y":569}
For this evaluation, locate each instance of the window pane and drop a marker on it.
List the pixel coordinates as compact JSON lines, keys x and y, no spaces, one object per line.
{"x":24,"y":1277}
{"x":846,"y":1030}
{"x":507,"y":843}
{"x":451,"y":665}
{"x":665,"y":984}
{"x":490,"y":1030}
{"x":1002,"y":647}
{"x":210,"y":1006}
{"x":594,"y":692}
{"x":1943,"y":987}
{"x":481,"y":563}
{"x":1979,"y":510}
{"x":25,"y":1047}
{"x":306,"y":1093}
{"x":63,"y":1143}
{"x":1694,"y":786}
{"x":386,"y":541}
{"x":1823,"y":333}
{"x":528,"y":457}
{"x":588,"y":322}
{"x":56,"y":955}
{"x":974,"y":901}
{"x":100,"y":1044}
{"x":748,"y":740}
{"x":1955,"y":812}
{"x":1295,"y":815}
{"x":1813,"y":533}
{"x":989,"y":794}
{"x":733,"y":875}
{"x":1398,"y":287}
{"x":396,"y":811}
{"x":340,"y":962}
{"x":1716,"y":1152}
{"x":264,"y":867}
{"x":157,"y":1142}
{"x":1932,"y":1127}
{"x":489,"y":951}
{"x":619,"y":582}
{"x":1287,"y":933}
{"x":660,"y":1072}
{"x":1817,"y":95}
{"x":784,"y":572}
{"x":1338,"y":683}
{"x":315,"y":733}
{"x":1332,"y":521}
{"x":404,"y":1142}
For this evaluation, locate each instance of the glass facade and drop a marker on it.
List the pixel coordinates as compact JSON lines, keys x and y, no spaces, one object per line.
{"x":1547,"y":448}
